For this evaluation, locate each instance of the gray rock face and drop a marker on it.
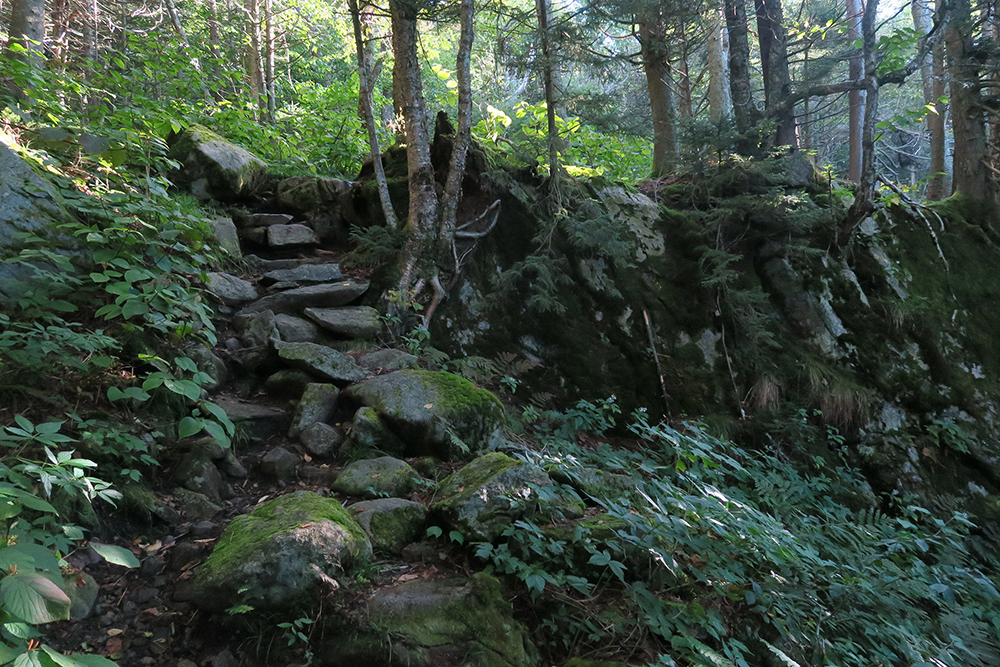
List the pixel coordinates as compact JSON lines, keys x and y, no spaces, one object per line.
{"x":370,"y":436}
{"x":321,"y":361}
{"x":293,"y":329}
{"x":280,"y":464}
{"x":326,"y":295}
{"x":256,"y":329}
{"x":260,"y":422}
{"x":321,"y":439}
{"x":225,"y":233}
{"x":391,"y":523}
{"x":229,"y":289}
{"x":279,"y":554}
{"x":353,"y":322}
{"x":433,"y":412}
{"x":282,"y":236}
{"x":389,"y":360}
{"x":268,"y":219}
{"x":196,"y":505}
{"x":27,"y":204}
{"x":376,"y":478}
{"x":198,"y":473}
{"x":306,"y":193}
{"x":305,"y":273}
{"x":316,"y":405}
{"x":489,"y":494}
{"x":214,"y":168}
{"x":287,"y":383}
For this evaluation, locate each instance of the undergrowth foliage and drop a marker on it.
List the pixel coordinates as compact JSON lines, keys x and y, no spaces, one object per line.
{"x":698,"y":552}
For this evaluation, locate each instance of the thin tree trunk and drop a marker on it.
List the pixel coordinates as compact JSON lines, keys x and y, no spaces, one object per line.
{"x":968,"y":125}
{"x":739,"y":65}
{"x":774,"y":63}
{"x":864,"y":201}
{"x":463,"y":133}
{"x":856,"y":98}
{"x":254,"y":65}
{"x":544,"y":12}
{"x":686,"y":106}
{"x":411,"y":109}
{"x":805,"y":127}
{"x":365,"y":93}
{"x":272,"y":103}
{"x":719,"y":101}
{"x":655,"y":63}
{"x":932,"y":75}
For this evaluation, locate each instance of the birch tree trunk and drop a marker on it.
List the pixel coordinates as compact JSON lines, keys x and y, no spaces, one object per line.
{"x":719,"y":101}
{"x":365,"y":93}
{"x":856,"y":98}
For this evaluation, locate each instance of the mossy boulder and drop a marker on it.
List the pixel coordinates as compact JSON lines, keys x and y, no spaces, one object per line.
{"x":370,"y":436}
{"x":433,"y":412}
{"x":378,"y":478}
{"x":277,"y":553}
{"x":214,"y":168}
{"x":489,"y":494}
{"x":440,"y":623}
{"x":391,"y":523}
{"x":308,"y":193}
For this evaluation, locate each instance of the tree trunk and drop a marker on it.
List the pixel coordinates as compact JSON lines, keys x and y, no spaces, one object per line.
{"x":719,"y":101}
{"x":365,"y":94}
{"x":411,"y":110}
{"x":27,"y":26}
{"x":744,"y":108}
{"x":686,"y":106}
{"x":655,"y":62}
{"x":774,"y":64}
{"x":254,"y":64}
{"x":864,"y":201}
{"x":968,"y":124}
{"x":856,"y":98}
{"x":463,"y":134}
{"x":544,"y":11}
{"x":272,"y":102}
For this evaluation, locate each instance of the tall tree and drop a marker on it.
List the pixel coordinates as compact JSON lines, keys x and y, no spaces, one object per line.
{"x":27,"y":25}
{"x":543,"y":9}
{"x":856,"y":98}
{"x":968,"y":123}
{"x":744,"y":108}
{"x":719,"y":100}
{"x":773,"y":40}
{"x":656,"y":64}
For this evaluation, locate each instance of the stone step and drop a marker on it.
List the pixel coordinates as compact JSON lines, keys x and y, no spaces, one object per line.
{"x":304,"y":273}
{"x":351,"y":321}
{"x":283,"y":236}
{"x":260,"y":422}
{"x":324,"y":295}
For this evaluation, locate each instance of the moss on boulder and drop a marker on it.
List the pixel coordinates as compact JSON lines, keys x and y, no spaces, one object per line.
{"x":214,"y":168}
{"x":374,"y":478}
{"x":487,"y":495}
{"x":433,"y":412}
{"x":273,"y":553}
{"x":391,"y":523}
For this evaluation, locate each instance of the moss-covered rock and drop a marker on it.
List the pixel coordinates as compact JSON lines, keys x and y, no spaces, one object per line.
{"x":391,"y":523}
{"x":439,"y":623}
{"x":433,"y":412}
{"x":378,"y":478}
{"x":321,"y":361}
{"x":489,"y":494}
{"x":369,"y":436}
{"x":307,"y":193}
{"x":273,"y":554}
{"x":214,"y":168}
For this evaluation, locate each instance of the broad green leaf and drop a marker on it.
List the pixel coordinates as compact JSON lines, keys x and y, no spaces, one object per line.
{"x":189,"y":426}
{"x":28,"y":659}
{"x":115,"y":555}
{"x":93,"y":660}
{"x":9,"y":653}
{"x":134,"y":307}
{"x":34,"y":598}
{"x":217,"y":432}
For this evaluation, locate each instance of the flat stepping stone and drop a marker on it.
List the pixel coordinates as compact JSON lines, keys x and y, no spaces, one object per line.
{"x":265,"y":265}
{"x":305,"y":273}
{"x":282,"y":236}
{"x":352,"y":322}
{"x":325,"y":295}
{"x":389,"y":359}
{"x":321,"y":361}
{"x":268,"y":219}
{"x":261,"y":421}
{"x":229,"y":289}
{"x":293,"y":329}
